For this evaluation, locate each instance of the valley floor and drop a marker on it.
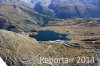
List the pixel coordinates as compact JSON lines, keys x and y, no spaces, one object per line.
{"x":84,"y":34}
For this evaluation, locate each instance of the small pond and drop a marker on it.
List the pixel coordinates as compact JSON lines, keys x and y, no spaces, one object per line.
{"x":49,"y":35}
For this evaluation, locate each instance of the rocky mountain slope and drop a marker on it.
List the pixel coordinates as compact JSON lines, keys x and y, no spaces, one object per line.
{"x":70,"y":8}
{"x":75,"y":8}
{"x":63,"y":8}
{"x":17,"y":47}
{"x":18,"y":16}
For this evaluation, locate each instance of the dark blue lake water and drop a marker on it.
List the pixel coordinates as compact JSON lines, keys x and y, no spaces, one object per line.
{"x":49,"y":35}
